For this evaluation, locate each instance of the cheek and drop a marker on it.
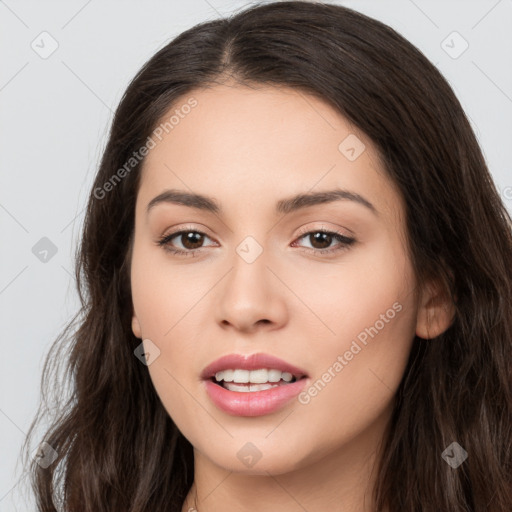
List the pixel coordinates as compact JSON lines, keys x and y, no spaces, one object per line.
{"x":359,"y":369}
{"x":159,"y":292}
{"x":365,"y":289}
{"x":166,"y":305}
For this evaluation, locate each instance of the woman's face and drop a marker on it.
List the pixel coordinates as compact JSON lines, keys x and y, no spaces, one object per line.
{"x":339,"y":307}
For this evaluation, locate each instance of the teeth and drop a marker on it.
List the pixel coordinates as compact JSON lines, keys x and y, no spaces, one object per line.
{"x":260,"y":376}
{"x":252,"y":387}
{"x":241,"y":376}
{"x":274,"y":375}
{"x":228,"y":375}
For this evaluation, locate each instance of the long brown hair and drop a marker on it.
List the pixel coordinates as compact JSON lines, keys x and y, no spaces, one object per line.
{"x":117,"y":448}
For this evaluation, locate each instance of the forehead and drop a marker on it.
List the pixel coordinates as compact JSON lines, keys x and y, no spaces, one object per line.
{"x":249,"y":145}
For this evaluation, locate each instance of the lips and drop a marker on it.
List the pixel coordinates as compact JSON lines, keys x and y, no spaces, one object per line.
{"x":252,"y":362}
{"x":252,"y":399}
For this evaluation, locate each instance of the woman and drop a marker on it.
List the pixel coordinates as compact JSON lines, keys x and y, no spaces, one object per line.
{"x":295,"y":274}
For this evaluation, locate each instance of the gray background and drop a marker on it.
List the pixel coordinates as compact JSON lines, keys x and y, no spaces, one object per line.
{"x":55,"y":113}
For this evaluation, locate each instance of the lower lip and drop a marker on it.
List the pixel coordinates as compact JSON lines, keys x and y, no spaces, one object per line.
{"x":253,"y":403}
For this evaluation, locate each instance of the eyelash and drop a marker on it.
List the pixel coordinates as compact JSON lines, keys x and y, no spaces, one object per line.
{"x":344,"y":241}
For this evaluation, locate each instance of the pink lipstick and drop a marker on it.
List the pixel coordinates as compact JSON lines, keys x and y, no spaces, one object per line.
{"x":252,"y":385}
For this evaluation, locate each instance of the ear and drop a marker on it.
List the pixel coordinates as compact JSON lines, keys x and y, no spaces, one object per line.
{"x":136,"y":326}
{"x":435,"y":310}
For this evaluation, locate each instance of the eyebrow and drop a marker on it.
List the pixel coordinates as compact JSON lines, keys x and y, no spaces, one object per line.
{"x":284,"y":206}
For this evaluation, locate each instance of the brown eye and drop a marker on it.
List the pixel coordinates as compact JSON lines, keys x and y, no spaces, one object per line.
{"x":191,"y":239}
{"x":320,"y":240}
{"x":188,"y":242}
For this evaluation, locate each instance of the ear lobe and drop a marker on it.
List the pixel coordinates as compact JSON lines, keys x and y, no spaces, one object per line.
{"x":436,"y":311}
{"x":136,"y":327}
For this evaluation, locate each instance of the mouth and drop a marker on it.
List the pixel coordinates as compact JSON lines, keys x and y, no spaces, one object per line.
{"x":254,"y":385}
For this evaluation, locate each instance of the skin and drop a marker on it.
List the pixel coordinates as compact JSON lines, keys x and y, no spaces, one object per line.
{"x":249,"y":147}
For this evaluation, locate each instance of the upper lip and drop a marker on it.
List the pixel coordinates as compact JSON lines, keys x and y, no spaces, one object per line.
{"x":251,"y":362}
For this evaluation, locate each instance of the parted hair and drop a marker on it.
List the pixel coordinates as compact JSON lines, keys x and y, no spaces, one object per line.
{"x":117,"y":448}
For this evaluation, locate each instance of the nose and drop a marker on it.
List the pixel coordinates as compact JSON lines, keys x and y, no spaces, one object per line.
{"x":251,"y":297}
